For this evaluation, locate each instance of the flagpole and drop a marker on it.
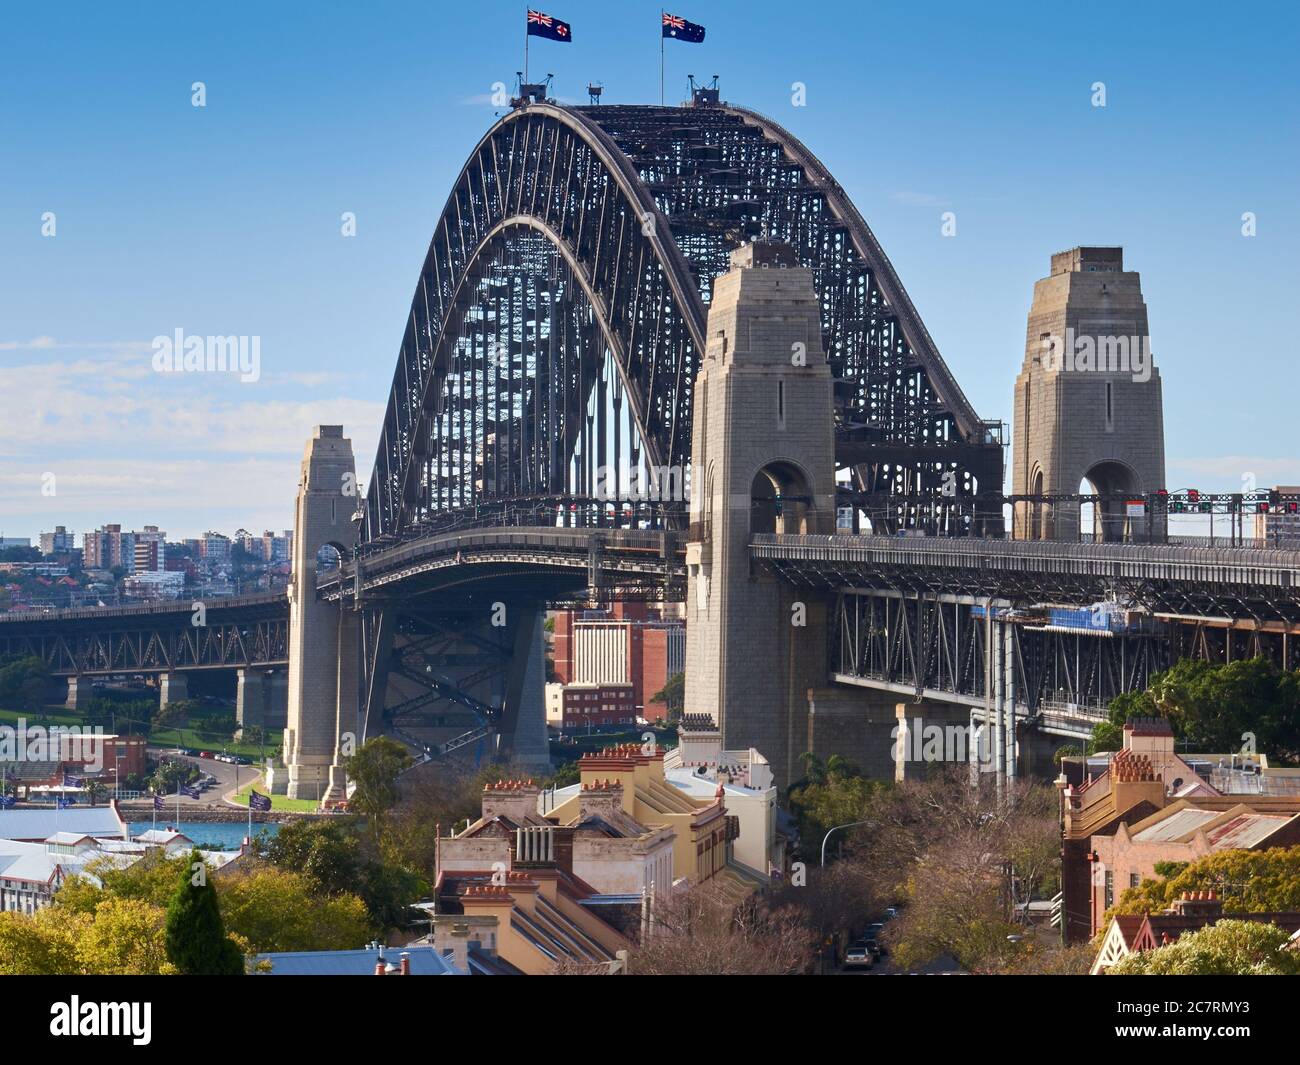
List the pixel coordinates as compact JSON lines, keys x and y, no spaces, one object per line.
{"x":525,"y":49}
{"x":661,"y":56}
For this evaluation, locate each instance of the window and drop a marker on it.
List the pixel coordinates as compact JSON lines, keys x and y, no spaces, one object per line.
{"x":1134,"y":879}
{"x":1110,"y":405}
{"x":780,"y":404}
{"x":1110,"y":889}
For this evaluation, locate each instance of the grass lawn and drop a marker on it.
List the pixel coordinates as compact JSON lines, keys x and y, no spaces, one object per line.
{"x":280,"y":802}
{"x":211,"y":741}
{"x":60,"y":716}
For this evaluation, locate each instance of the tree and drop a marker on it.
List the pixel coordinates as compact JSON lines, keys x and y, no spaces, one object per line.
{"x":1266,"y":881}
{"x":672,"y":694}
{"x":125,"y":938}
{"x":195,"y":936}
{"x":278,"y":910}
{"x":1225,"y":948}
{"x":700,"y":933}
{"x":830,"y":793}
{"x":1247,"y":704}
{"x":374,"y":769}
{"x":963,"y":859}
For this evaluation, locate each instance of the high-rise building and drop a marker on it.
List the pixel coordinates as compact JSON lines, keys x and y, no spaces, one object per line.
{"x":107,"y":547}
{"x":277,"y":548}
{"x":58,"y":542}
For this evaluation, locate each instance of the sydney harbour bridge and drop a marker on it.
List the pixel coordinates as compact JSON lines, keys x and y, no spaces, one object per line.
{"x":537,"y":450}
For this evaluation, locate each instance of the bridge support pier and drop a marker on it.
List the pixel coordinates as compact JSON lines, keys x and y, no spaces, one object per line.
{"x":261,"y":698}
{"x":762,"y":445}
{"x":79,"y":691}
{"x":523,"y":738}
{"x":324,"y":649}
{"x":172,"y":687}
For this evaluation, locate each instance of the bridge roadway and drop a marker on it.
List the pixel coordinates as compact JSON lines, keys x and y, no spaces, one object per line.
{"x":1251,"y":587}
{"x":1238,"y":588}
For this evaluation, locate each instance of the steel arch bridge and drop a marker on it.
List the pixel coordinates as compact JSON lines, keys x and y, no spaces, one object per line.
{"x":549,"y":353}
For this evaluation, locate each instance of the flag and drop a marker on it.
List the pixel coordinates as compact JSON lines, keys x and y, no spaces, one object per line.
{"x":258,"y":801}
{"x":552,"y":29}
{"x":61,"y":803}
{"x":192,"y":791}
{"x":7,"y":802}
{"x":70,"y":781}
{"x":681,"y":30}
{"x":160,"y":804}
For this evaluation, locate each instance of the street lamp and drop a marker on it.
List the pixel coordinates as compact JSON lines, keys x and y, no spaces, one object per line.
{"x":850,"y":824}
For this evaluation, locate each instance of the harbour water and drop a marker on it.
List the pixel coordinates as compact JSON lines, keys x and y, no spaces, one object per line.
{"x":210,"y":835}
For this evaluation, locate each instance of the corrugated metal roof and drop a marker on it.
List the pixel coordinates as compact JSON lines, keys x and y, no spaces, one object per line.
{"x":39,"y":825}
{"x":1245,"y":830}
{"x":1177,"y":825}
{"x":425,"y":961}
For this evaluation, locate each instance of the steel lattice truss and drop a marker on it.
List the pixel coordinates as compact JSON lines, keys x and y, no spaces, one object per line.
{"x":556,"y":328}
{"x":934,"y":646}
{"x":154,"y":641}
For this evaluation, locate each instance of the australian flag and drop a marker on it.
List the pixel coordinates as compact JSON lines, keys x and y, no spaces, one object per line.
{"x":70,"y":781}
{"x":160,"y":804}
{"x":7,"y":802}
{"x":552,"y":29}
{"x":681,"y":30}
{"x":192,"y":791}
{"x":258,"y":801}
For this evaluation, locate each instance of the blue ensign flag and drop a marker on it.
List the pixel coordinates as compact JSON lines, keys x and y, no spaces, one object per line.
{"x":159,"y":804}
{"x":257,"y":801}
{"x":552,"y":29}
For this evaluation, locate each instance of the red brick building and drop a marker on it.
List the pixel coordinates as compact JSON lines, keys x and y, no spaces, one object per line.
{"x":627,"y":644}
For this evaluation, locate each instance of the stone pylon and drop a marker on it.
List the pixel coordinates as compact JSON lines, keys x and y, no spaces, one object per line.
{"x":763,"y":461}
{"x":324,"y":649}
{"x":1088,"y":401}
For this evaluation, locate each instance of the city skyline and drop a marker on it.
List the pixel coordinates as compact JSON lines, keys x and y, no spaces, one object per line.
{"x":227,"y":219}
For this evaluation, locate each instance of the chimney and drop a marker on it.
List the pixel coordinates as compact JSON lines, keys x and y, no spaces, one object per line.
{"x":1203,"y":904}
{"x":380,"y":969}
{"x":513,"y":799}
{"x":404,"y":969}
{"x":600,"y":798}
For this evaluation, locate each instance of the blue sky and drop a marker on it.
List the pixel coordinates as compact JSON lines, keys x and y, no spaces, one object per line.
{"x":226,"y":219}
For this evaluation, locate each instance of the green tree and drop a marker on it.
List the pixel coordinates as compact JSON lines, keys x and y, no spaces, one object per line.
{"x":1225,"y":948}
{"x":1266,"y":881}
{"x":277,"y":910}
{"x":196,"y":939}
{"x":374,"y":769}
{"x":672,"y":694}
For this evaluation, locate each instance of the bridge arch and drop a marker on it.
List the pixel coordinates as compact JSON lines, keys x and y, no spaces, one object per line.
{"x":603,"y":228}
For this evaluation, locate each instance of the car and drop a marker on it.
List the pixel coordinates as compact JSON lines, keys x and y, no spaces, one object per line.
{"x":206,"y":754}
{"x":876,"y":948}
{"x":873,"y":930}
{"x":891,"y":912}
{"x":859,"y":956}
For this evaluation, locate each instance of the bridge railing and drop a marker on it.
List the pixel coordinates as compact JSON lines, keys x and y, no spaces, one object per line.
{"x":542,"y":512}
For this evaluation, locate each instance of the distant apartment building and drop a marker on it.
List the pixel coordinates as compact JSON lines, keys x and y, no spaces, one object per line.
{"x":58,"y":542}
{"x":1282,"y":522}
{"x":626,"y":645}
{"x":215,"y":548}
{"x":107,"y":547}
{"x":15,"y":541}
{"x":154,"y":584}
{"x":277,"y":548}
{"x":150,"y":550}
{"x":574,"y":707}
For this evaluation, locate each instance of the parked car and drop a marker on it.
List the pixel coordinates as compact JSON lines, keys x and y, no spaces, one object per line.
{"x":206,"y":754}
{"x":891,"y":912}
{"x":877,"y":949}
{"x":859,"y":956}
